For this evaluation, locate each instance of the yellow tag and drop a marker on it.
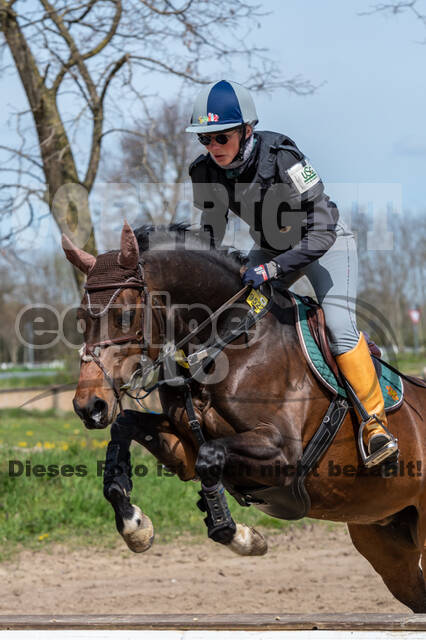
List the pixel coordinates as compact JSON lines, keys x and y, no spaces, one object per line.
{"x":257,"y":300}
{"x":180,"y":358}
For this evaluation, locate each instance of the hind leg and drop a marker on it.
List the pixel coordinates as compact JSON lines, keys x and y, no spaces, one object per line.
{"x":395,"y":557}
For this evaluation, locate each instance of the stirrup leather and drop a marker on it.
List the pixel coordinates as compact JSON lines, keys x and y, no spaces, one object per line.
{"x":372,"y":459}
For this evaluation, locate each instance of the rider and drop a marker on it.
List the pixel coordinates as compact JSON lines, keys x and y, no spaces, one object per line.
{"x":266,"y":180}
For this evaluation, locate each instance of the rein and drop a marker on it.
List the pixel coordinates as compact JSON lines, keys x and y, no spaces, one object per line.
{"x":211,"y":317}
{"x":205,"y":354}
{"x":91,"y":352}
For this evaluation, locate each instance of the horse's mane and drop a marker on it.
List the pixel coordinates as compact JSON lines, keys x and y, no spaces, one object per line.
{"x":151,"y":237}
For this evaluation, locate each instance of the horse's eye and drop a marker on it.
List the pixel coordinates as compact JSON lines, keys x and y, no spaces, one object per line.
{"x":125,"y":319}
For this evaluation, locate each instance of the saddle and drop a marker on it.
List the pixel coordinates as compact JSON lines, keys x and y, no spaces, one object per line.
{"x":317,"y":326}
{"x":313,"y":337}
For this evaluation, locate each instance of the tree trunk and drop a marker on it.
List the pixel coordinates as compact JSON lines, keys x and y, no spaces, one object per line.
{"x":66,"y":196}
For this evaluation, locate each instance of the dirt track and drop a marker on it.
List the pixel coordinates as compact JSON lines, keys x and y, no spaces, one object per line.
{"x":306,"y":570}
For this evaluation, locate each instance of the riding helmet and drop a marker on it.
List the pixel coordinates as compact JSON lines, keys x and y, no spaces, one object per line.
{"x":222,"y":105}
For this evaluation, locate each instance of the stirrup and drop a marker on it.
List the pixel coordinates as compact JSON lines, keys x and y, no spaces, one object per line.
{"x":382,"y":454}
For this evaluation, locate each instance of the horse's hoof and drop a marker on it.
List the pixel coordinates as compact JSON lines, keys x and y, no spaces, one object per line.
{"x":138,"y":531}
{"x":248,"y":542}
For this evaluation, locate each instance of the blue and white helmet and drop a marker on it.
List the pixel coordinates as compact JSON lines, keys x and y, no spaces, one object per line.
{"x":222,"y":105}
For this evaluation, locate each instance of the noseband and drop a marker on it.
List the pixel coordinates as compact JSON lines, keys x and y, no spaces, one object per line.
{"x":91,"y":351}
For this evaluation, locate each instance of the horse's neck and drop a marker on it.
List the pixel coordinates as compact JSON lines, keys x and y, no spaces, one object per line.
{"x":190,"y":280}
{"x":192,"y":288}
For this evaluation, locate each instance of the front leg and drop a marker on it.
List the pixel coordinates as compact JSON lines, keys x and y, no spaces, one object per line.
{"x":249,"y":450}
{"x":155,"y":433}
{"x":132,"y":524}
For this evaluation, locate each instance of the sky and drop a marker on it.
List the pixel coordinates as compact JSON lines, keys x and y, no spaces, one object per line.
{"x":364,"y":125}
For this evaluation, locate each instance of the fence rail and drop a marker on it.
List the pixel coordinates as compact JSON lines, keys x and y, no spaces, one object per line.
{"x":228,"y":622}
{"x":58,"y":399}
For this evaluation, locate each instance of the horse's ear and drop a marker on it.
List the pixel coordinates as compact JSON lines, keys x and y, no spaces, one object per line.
{"x":79,"y":258}
{"x":129,"y":248}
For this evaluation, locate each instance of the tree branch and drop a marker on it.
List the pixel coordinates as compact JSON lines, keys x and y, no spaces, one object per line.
{"x":26,"y":156}
{"x":164,"y":67}
{"x":14,"y":232}
{"x":116,"y":67}
{"x":95,"y":149}
{"x":77,"y":58}
{"x":397,"y":7}
{"x":85,"y":13}
{"x":173,"y":12}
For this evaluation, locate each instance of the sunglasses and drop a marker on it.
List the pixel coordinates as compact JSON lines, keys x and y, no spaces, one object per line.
{"x":220,"y":138}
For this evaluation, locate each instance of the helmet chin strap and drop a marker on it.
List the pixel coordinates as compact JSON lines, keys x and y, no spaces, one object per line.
{"x":240,"y":154}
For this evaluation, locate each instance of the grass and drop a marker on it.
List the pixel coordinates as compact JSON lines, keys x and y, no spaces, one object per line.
{"x":410,"y":363}
{"x":36,"y":380}
{"x":24,"y":367}
{"x":38,"y":510}
{"x":43,"y":430}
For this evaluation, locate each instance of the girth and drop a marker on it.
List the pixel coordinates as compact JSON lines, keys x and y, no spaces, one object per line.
{"x":292,"y":502}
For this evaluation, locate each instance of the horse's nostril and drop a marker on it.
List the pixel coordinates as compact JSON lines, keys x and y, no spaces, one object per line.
{"x":98,"y":409}
{"x":94,"y":410}
{"x":99,"y":406}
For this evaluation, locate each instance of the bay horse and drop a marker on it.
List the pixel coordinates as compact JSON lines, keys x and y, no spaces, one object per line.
{"x":258,"y":405}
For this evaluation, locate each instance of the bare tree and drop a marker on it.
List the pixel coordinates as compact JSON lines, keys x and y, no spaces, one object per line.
{"x":80,"y":61}
{"x":155,"y":156}
{"x":400,"y":6}
{"x":40,"y":298}
{"x":392,"y":280}
{"x":9,"y":307}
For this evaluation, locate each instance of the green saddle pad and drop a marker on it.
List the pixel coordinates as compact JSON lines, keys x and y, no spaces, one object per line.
{"x":390,"y":382}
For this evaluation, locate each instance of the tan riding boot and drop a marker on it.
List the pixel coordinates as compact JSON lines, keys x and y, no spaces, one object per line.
{"x":358,"y":368}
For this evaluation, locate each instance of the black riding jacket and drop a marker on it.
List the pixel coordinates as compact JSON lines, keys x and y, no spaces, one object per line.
{"x":278,"y":194}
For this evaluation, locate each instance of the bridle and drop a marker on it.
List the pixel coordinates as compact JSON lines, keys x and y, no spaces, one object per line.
{"x":91,"y":351}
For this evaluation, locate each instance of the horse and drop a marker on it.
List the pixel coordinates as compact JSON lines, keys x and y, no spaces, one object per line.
{"x":257,"y":404}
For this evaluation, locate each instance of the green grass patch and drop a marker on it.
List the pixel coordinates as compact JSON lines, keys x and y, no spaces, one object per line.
{"x":22,"y":367}
{"x":410,"y":363}
{"x":44,"y":430}
{"x":37,"y":380}
{"x":36,"y":510}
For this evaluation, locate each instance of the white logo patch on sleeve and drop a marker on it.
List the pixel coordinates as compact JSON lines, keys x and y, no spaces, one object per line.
{"x":303,"y":177}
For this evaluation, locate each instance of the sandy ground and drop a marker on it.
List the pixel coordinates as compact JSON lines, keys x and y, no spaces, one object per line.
{"x":309,"y":570}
